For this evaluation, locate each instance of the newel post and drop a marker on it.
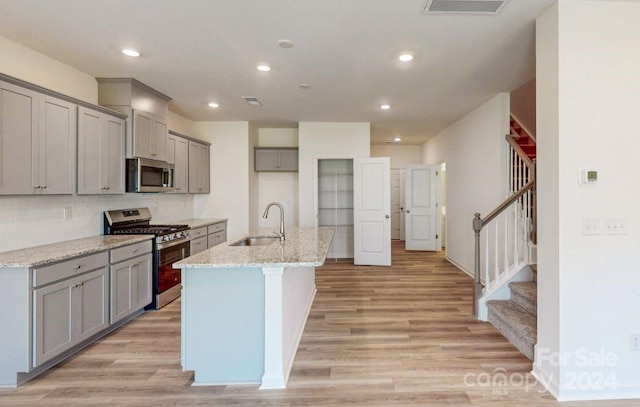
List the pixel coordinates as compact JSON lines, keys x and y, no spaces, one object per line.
{"x":477,"y":291}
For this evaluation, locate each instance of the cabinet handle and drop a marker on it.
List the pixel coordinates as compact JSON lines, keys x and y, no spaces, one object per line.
{"x":79,"y":266}
{"x":37,"y":187}
{"x":108,"y":188}
{"x":44,"y":187}
{"x":153,"y":155}
{"x":135,"y":251}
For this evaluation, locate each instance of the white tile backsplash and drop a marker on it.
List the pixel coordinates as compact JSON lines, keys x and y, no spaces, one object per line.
{"x":28,"y":221}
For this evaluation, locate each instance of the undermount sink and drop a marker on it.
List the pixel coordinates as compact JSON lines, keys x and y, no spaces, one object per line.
{"x":256,"y":241}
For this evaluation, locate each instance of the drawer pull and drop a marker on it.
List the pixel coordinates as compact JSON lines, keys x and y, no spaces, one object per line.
{"x":79,"y":266}
{"x":135,"y":251}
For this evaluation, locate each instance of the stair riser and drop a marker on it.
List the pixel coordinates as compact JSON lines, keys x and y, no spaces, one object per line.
{"x":525,"y":303}
{"x":523,"y":344}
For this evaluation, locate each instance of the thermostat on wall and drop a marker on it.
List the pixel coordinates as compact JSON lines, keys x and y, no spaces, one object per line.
{"x":588,"y":176}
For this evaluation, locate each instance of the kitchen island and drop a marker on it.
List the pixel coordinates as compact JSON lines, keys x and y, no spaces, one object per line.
{"x":244,"y":307}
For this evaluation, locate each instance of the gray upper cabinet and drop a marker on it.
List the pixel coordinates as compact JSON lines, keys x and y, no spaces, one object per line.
{"x":149,"y":136}
{"x":276,"y":159}
{"x":198,"y":168}
{"x":38,"y":138}
{"x":100,"y":153}
{"x":178,"y":155}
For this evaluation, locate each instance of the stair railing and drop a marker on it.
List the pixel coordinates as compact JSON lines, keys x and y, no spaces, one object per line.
{"x":515,"y":217}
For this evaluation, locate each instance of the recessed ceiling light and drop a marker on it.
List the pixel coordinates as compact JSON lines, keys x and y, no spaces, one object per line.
{"x":304,"y":86}
{"x":214,"y":105}
{"x":397,"y":139}
{"x":406,"y":57}
{"x":131,"y":52}
{"x":264,"y":67}
{"x":385,"y":107}
{"x":285,"y":44}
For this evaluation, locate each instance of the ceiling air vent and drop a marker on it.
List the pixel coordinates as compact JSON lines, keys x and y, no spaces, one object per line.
{"x":252,"y":100}
{"x":491,"y":7}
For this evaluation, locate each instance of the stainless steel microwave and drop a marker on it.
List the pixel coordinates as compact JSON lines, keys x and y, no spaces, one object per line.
{"x":144,"y":175}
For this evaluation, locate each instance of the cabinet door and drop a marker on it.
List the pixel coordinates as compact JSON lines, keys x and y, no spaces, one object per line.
{"x":18,"y":133}
{"x":115,"y":135}
{"x":203,"y":169}
{"x":288,"y":160}
{"x":198,"y":168}
{"x":141,"y":274}
{"x":57,"y":145}
{"x":142,"y":128}
{"x":266,"y":160}
{"x":198,"y":245}
{"x":92,"y":163}
{"x":130,"y":286}
{"x":53,"y":316}
{"x":215,"y":239}
{"x":178,"y":155}
{"x":158,"y":141}
{"x":91,"y":303}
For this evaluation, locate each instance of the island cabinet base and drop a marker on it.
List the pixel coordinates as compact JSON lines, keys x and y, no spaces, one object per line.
{"x":243,"y":325}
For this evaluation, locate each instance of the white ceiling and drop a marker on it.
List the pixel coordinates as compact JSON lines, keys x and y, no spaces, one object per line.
{"x":197,"y":51}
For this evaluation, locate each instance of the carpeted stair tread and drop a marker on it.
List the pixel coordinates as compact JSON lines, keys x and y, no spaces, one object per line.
{"x":516,"y":324}
{"x":525,"y":295}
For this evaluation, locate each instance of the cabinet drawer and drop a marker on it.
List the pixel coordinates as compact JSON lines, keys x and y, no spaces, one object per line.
{"x":216,"y":227}
{"x":199,"y":232}
{"x":133,"y":250}
{"x":69,"y":268}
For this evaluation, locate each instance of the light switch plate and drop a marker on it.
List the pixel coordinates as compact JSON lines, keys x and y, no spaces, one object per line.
{"x":591,"y":226}
{"x":614,"y":226}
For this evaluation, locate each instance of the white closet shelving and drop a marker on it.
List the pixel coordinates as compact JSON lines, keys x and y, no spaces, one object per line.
{"x":335,"y":203}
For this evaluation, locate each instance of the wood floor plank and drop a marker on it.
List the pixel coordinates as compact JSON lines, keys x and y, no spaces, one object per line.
{"x":376,"y":336}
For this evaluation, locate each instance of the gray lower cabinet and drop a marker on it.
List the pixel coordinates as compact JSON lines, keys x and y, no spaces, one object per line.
{"x":216,"y":234}
{"x":101,"y":144}
{"x":178,"y":155}
{"x":198,"y":168}
{"x":130,"y":286}
{"x":276,"y":159}
{"x":70,"y":304}
{"x":38,"y":138}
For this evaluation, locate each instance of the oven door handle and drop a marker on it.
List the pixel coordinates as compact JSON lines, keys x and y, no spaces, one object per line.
{"x":172,"y":243}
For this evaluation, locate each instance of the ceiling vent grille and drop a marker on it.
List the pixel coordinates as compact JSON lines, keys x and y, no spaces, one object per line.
{"x":490,"y":7}
{"x":252,"y":100}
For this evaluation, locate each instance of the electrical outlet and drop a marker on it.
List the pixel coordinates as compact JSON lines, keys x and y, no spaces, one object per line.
{"x":634,"y":343}
{"x":591,"y":226}
{"x":67,"y":213}
{"x":614,"y":226}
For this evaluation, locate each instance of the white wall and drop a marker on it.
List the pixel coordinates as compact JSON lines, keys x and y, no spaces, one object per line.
{"x":547,"y":66}
{"x":401,"y":155}
{"x":473,"y":150}
{"x":31,"y":66}
{"x":230,"y":165}
{"x":597,"y":277}
{"x":325,"y":140}
{"x":523,"y":106}
{"x":279,"y":187}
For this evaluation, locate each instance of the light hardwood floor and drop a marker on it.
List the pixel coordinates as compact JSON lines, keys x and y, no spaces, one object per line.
{"x":376,"y":336}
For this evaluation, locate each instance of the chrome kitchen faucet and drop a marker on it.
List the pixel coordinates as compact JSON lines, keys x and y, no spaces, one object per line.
{"x":266,"y":213}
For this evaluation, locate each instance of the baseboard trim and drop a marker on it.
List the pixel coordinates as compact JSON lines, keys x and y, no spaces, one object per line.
{"x":458,"y":265}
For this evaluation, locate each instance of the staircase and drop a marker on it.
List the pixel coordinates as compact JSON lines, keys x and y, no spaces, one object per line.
{"x":516,"y":318}
{"x":507,"y":298}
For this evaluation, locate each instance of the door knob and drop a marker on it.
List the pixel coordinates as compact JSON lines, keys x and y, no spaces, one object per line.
{"x":386,"y":216}
{"x":408,"y":211}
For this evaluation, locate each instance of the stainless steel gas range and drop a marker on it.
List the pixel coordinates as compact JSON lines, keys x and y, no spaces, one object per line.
{"x":171,"y":244}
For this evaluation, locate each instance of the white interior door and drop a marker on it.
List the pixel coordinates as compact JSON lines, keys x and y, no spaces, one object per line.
{"x":397,"y":204}
{"x":421,"y":207}
{"x":372,"y":211}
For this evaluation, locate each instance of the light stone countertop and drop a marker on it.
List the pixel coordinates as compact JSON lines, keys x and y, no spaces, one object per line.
{"x":196,"y":223}
{"x":54,"y":252}
{"x":303,"y":247}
